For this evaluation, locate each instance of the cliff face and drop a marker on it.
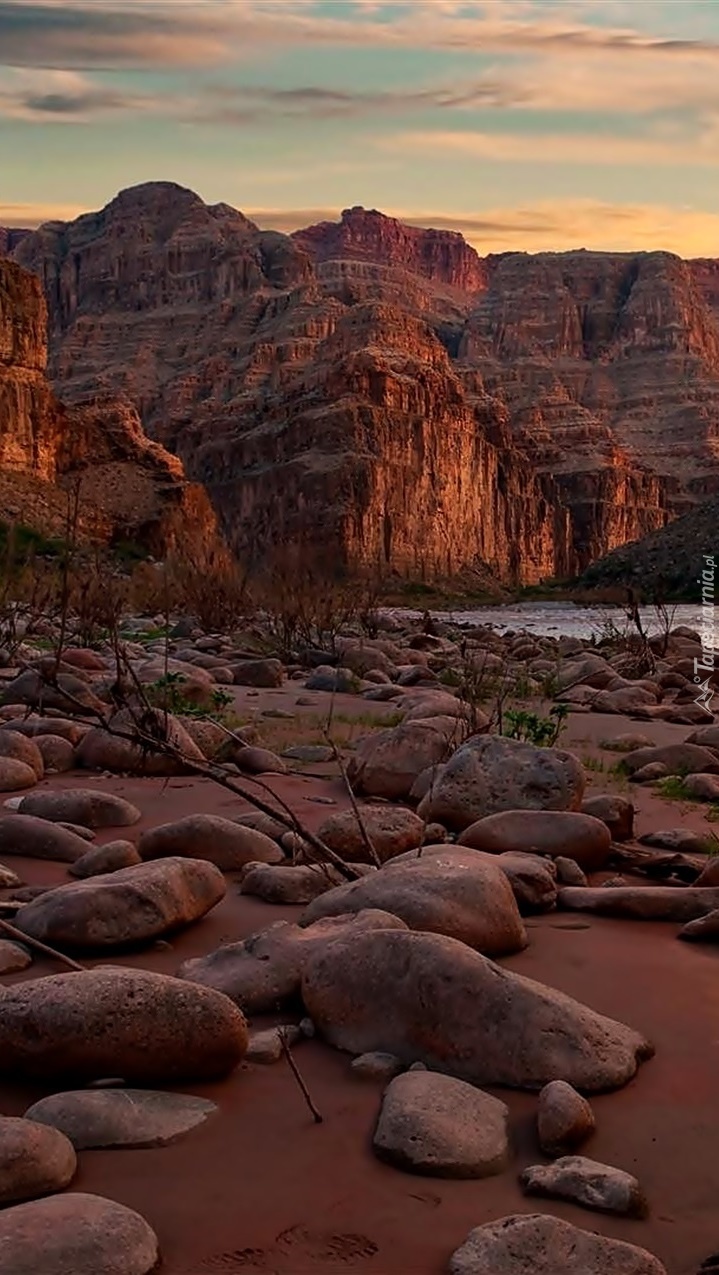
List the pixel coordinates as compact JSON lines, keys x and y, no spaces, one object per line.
{"x":384,"y":389}
{"x":10,"y":238}
{"x":130,"y":487}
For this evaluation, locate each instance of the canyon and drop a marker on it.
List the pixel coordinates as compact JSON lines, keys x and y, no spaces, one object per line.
{"x":381,"y":390}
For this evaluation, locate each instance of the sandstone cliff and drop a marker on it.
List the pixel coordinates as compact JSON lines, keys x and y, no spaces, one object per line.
{"x":383,"y":389}
{"x":10,"y":238}
{"x":130,"y":488}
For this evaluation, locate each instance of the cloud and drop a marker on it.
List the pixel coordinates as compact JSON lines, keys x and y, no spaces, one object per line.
{"x":562,"y":148}
{"x":60,"y":96}
{"x":28,"y":216}
{"x":82,"y":34}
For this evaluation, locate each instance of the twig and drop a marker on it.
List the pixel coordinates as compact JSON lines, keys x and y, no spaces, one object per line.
{"x":21,"y":937}
{"x":369,"y":846}
{"x":317,"y":1117}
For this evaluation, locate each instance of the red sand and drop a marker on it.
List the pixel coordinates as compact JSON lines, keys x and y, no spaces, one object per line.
{"x":262,"y":1190}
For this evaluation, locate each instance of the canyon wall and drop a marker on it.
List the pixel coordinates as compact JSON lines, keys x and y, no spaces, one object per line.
{"x":384,"y":390}
{"x":130,"y":488}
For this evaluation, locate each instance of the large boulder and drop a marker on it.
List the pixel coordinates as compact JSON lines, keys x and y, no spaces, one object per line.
{"x":489,"y":774}
{"x":263,"y":673}
{"x":642,"y":903}
{"x":287,"y":883}
{"x":76,"y":1234}
{"x":391,"y":830}
{"x":144,"y":1027}
{"x":43,"y":690}
{"x":441,"y":1126}
{"x":227,"y":844}
{"x":428,"y":998}
{"x":147,"y":742}
{"x":33,"y":1161}
{"x":110,"y":857}
{"x":92,"y":1118}
{"x":542,"y":1245}
{"x":39,"y":839}
{"x":465,"y":896}
{"x":557,"y":833}
{"x":263,"y":972}
{"x":22,"y":748}
{"x":533,"y":879}
{"x":679,"y":759}
{"x":132,"y":905}
{"x":89,"y":807}
{"x":616,"y":812}
{"x":387,"y":763}
{"x":15,"y":775}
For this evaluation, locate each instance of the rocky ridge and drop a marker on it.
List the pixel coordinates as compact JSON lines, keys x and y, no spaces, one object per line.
{"x":384,"y":386}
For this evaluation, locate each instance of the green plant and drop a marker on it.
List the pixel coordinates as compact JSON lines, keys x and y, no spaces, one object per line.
{"x":674,"y":789}
{"x":593,"y":763}
{"x":533,"y":729}
{"x":169,"y":693}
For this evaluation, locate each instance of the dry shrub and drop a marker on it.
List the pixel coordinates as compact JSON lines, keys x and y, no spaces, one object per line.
{"x":308,"y":602}
{"x":210,"y":586}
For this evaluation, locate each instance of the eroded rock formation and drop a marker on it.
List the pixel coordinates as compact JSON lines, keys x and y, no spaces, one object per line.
{"x":130,"y":487}
{"x":384,"y":389}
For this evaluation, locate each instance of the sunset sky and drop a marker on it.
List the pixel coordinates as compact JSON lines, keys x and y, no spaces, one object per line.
{"x":526,"y":124}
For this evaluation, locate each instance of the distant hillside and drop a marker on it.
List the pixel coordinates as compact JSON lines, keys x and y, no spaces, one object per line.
{"x":669,"y":560}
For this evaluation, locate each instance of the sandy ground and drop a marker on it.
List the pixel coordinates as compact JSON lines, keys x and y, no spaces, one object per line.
{"x":262,"y":1190}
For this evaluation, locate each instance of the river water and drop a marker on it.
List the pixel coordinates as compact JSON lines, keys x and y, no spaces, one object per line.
{"x":554,"y":619}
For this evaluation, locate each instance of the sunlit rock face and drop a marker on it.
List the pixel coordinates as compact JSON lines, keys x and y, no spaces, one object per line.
{"x":128,"y":484}
{"x":383,"y":389}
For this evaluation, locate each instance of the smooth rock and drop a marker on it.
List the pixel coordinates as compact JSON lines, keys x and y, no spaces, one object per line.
{"x":679,"y":759}
{"x":87,"y":806}
{"x":113,"y":1021}
{"x":76,"y":1234}
{"x":15,"y":775}
{"x":93,"y":1118}
{"x":702,"y":787}
{"x":438,"y":1125}
{"x":642,"y":903}
{"x":536,"y":1244}
{"x":569,"y":872}
{"x":34,"y":1161}
{"x":267,"y":1046}
{"x":288,"y":884}
{"x":58,"y":754}
{"x":387,"y":763}
{"x":121,"y":752}
{"x":564,"y":1119}
{"x":23,"y":749}
{"x":13,"y":957}
{"x":586,"y":1182}
{"x":100,"y":860}
{"x":229,"y":845}
{"x":458,"y":1012}
{"x":258,"y":761}
{"x":575,"y":836}
{"x":39,"y":839}
{"x":376,"y":1066}
{"x":462,"y":895}
{"x":131,"y":905}
{"x":704,"y":930}
{"x":616,"y":812}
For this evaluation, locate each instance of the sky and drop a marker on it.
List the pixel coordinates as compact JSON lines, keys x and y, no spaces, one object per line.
{"x":524,"y":124}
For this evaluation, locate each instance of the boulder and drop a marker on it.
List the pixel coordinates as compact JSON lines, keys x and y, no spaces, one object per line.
{"x":705,"y":929}
{"x":569,"y":872}
{"x":547,"y":832}
{"x":132,"y":905}
{"x":263,"y":972}
{"x":35,"y":727}
{"x":462,"y":895}
{"x":289,"y":884}
{"x":679,"y":759}
{"x":391,"y":830}
{"x":34,"y":1161}
{"x":123,"y":752}
{"x":627,"y":743}
{"x":39,"y":839}
{"x":23,"y":749}
{"x":111,"y":1021}
{"x":76,"y":1234}
{"x":542,"y":1245}
{"x":376,"y":1066}
{"x":441,"y":1126}
{"x":258,"y":761}
{"x":100,"y":860}
{"x":58,"y":754}
{"x":387,"y":763}
{"x":92,"y":1118}
{"x":586,"y":1182}
{"x":705,"y":737}
{"x":489,"y":774}
{"x":702,"y":787}
{"x":260,"y":673}
{"x":15,"y":775}
{"x":642,"y":903}
{"x":66,"y":692}
{"x":87,"y":806}
{"x":564,"y":1119}
{"x":533,"y":879}
{"x":13,"y":957}
{"x":616,"y":812}
{"x":458,"y":1012}
{"x":227,"y":844}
